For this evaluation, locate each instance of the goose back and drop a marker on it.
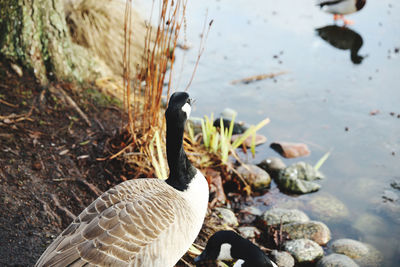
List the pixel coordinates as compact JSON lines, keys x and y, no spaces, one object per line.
{"x":142,"y":222}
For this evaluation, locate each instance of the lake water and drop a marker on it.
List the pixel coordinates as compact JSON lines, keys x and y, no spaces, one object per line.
{"x":322,"y":94}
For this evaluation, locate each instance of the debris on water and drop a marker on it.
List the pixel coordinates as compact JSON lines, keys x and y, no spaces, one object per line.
{"x":374,"y":112}
{"x":259,"y":77}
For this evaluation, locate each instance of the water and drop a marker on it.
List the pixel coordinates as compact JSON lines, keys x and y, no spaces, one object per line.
{"x":322,"y":94}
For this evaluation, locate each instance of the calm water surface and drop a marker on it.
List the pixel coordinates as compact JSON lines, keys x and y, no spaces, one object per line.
{"x":323,"y":93}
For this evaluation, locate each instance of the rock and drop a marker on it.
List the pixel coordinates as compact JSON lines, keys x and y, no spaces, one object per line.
{"x":349,"y":247}
{"x":238,"y":128}
{"x":363,"y":254}
{"x":290,"y":150}
{"x":272,"y":165}
{"x":282,"y":258}
{"x":249,"y":232}
{"x":255,"y":176}
{"x":369,"y":223}
{"x":336,"y":260}
{"x":227,"y":216}
{"x":297,"y":178}
{"x":276,"y":216}
{"x":328,"y":208}
{"x":313,"y":230}
{"x":304,"y":250}
{"x":252,"y":210}
{"x":389,"y":195}
{"x":260,"y":139}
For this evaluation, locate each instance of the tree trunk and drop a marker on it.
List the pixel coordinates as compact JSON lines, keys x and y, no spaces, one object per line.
{"x":34,"y":34}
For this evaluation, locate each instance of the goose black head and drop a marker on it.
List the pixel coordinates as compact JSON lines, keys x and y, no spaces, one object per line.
{"x":228,"y":245}
{"x":179,"y":108}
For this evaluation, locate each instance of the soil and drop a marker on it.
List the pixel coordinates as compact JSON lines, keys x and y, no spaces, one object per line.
{"x":51,"y":161}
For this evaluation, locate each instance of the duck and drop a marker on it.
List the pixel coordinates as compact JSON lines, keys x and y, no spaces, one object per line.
{"x":228,"y":245}
{"x":343,"y":38}
{"x":339,"y":8}
{"x":140,"y":222}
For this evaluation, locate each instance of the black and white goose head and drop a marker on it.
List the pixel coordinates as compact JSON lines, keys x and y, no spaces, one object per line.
{"x":228,"y":245}
{"x":182,"y":174}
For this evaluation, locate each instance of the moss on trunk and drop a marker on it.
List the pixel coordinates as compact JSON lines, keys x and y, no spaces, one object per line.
{"x":34,"y":34}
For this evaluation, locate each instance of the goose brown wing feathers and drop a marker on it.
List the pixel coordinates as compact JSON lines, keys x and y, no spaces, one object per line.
{"x":116,"y":227}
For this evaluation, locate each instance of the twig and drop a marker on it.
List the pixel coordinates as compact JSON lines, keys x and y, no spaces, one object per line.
{"x":65,"y":97}
{"x":8,"y":104}
{"x":92,"y":187}
{"x":258,"y":77}
{"x":61,"y":207}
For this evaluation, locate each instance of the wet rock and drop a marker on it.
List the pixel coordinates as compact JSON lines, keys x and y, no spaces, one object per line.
{"x":336,"y":260}
{"x":304,"y":250}
{"x":227,"y":216}
{"x":272,"y":165}
{"x":363,"y":254}
{"x":328,"y":208}
{"x":249,"y":232}
{"x":238,"y":128}
{"x":260,"y":139}
{"x":297,"y":178}
{"x":369,"y":223}
{"x":282,"y":258}
{"x":349,"y":247}
{"x":290,"y":150}
{"x":313,"y":230}
{"x":276,"y":216}
{"x":255,"y":176}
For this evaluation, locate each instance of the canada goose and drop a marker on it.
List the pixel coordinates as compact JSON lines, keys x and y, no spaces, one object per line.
{"x":339,"y":8}
{"x":141,"y":222}
{"x":228,"y":245}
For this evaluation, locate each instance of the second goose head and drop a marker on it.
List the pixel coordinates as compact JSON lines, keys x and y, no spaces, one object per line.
{"x":228,"y":245}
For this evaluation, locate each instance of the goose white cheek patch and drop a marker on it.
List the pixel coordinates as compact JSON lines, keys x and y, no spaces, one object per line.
{"x":186,"y":108}
{"x":225,"y":252}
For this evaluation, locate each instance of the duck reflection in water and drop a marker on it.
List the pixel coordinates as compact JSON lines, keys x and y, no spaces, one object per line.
{"x":343,"y":38}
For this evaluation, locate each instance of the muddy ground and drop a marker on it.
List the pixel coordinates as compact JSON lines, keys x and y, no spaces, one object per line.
{"x":51,"y":163}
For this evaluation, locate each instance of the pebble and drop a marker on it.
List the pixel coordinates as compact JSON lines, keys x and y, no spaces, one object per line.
{"x":249,"y":232}
{"x":227,"y":216}
{"x":273,"y":165}
{"x":255,"y":176}
{"x":304,"y":250}
{"x":313,"y":230}
{"x":336,"y":260}
{"x":282,"y":258}
{"x":276,"y":216}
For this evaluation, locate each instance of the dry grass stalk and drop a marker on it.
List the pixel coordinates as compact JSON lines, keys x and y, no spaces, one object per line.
{"x":143,"y":100}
